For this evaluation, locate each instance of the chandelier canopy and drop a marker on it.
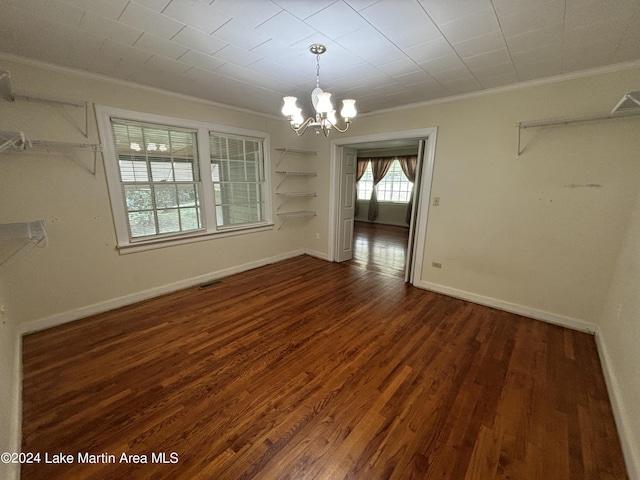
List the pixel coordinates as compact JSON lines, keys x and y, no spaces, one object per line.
{"x":325,"y":117}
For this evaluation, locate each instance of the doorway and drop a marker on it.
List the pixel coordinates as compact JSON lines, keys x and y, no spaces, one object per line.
{"x":341,"y":225}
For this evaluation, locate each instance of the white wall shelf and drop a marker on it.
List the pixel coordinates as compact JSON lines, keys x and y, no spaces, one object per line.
{"x":290,"y":151}
{"x":292,"y":215}
{"x":16,"y":237}
{"x":294,"y":196}
{"x":628,"y":106}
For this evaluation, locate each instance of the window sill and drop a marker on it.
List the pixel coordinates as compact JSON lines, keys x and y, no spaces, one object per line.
{"x":145,"y":245}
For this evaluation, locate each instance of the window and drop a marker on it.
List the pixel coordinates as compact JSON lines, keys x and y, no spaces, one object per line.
{"x":237,"y":174}
{"x":172,"y":181}
{"x":394,"y":187}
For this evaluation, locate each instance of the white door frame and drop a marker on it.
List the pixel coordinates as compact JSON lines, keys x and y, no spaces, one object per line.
{"x":425,"y":194}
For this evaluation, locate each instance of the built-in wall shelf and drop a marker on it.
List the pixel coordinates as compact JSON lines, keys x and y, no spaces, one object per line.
{"x":17,"y":237}
{"x":291,"y":151}
{"x":299,"y":198}
{"x":628,"y":106}
{"x":17,"y":141}
{"x":285,"y":196}
{"x":292,"y":215}
{"x":292,"y":173}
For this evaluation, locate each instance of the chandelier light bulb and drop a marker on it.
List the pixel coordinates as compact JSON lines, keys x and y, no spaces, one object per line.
{"x":348,"y":109}
{"x":324,"y":103}
{"x":289,"y":107}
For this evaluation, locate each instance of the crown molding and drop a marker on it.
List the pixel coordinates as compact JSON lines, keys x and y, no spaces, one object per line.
{"x":9,"y":57}
{"x":592,"y":72}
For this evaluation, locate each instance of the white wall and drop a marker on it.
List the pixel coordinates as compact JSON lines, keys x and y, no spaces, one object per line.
{"x":619,"y":339}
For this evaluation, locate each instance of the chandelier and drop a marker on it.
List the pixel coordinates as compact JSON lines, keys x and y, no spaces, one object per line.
{"x":325,"y":117}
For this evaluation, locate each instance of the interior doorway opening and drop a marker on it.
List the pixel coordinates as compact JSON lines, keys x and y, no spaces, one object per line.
{"x":343,"y":236}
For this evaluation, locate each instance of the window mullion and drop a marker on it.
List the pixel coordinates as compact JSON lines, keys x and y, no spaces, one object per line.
{"x":207,"y":203}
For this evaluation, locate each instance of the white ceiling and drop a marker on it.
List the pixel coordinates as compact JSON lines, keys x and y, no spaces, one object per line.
{"x":383,"y":53}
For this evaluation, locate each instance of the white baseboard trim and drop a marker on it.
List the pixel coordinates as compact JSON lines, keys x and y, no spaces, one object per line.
{"x":12,"y":470}
{"x":542,"y":315}
{"x":313,"y":253}
{"x":631,"y":454}
{"x":71,"y":315}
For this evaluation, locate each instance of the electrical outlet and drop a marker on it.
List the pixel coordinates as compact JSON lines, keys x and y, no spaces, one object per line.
{"x":436,"y":201}
{"x":3,"y":314}
{"x":317,"y":236}
{"x":436,"y":264}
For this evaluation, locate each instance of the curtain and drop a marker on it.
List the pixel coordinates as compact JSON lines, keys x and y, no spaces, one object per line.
{"x":408,"y":165}
{"x":379,"y":168}
{"x":361,"y":167}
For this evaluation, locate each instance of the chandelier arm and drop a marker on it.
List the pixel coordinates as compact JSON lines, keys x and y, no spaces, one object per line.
{"x":302,"y":127}
{"x":333,"y":125}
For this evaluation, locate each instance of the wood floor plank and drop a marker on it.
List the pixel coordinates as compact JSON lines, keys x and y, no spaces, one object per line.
{"x":311,"y":370}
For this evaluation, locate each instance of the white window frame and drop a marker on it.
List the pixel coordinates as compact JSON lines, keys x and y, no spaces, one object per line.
{"x":209,"y":229}
{"x":380,"y":199}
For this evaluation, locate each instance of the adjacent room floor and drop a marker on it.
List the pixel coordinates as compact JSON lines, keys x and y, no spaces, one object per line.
{"x":380,"y":248}
{"x":316,"y":370}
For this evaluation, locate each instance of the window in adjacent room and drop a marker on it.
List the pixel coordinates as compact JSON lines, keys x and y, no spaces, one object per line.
{"x":395,"y":187}
{"x":173,"y":180}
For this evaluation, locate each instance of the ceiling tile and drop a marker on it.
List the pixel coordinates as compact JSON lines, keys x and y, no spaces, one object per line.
{"x":432,"y":50}
{"x":479,"y":23}
{"x":488,"y":59}
{"x":405,"y":24}
{"x":116,"y":50}
{"x":286,"y":28}
{"x":237,"y":55}
{"x":336,"y":20}
{"x":160,"y":46}
{"x":444,"y":11}
{"x":358,"y":5}
{"x":201,"y":60}
{"x":108,"y":28}
{"x":530,"y":19}
{"x":53,"y":10}
{"x":157,"y":5}
{"x":447,"y":76}
{"x":198,"y":40}
{"x":481,"y":44}
{"x":370,"y":45}
{"x":167,"y":65}
{"x":550,"y":35}
{"x":111,"y":9}
{"x":239,"y":34}
{"x":259,"y":12}
{"x":150,"y":21}
{"x":303,"y":10}
{"x":204,"y":76}
{"x":197,"y":14}
{"x":401,"y":67}
{"x":443,"y":64}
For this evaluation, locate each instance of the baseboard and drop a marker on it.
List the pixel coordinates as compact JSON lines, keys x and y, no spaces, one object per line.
{"x":542,"y":315}
{"x":631,"y":454}
{"x":11,"y":471}
{"x":70,"y":316}
{"x":321,"y":256}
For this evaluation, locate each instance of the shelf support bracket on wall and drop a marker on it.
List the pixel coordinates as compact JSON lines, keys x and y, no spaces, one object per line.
{"x":570,"y":120}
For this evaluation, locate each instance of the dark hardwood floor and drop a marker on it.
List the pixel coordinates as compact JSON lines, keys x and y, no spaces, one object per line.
{"x":306,"y":369}
{"x":380,"y":248}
